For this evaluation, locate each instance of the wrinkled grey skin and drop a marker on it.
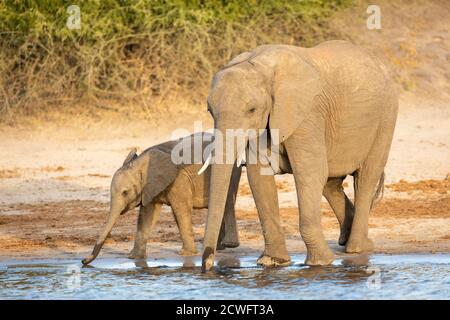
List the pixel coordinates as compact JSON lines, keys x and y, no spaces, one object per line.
{"x":151,"y":180}
{"x":335,"y":106}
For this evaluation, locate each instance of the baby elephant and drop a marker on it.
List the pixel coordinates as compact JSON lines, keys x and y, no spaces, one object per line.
{"x":151,"y":180}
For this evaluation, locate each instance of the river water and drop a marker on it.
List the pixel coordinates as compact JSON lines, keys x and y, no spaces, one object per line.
{"x":359,"y":277}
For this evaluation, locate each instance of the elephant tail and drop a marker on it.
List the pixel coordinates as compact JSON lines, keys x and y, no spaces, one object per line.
{"x":380,"y":191}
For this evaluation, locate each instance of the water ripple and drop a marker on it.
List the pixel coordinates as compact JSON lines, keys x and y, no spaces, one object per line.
{"x":375,"y":277}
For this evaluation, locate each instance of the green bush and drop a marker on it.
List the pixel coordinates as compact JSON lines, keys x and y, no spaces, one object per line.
{"x":142,"y":52}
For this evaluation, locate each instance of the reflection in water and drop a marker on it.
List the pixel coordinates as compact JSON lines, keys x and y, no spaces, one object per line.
{"x":407,"y":276}
{"x":356,"y":260}
{"x":229,"y":262}
{"x":285,"y":278}
{"x":189,"y":262}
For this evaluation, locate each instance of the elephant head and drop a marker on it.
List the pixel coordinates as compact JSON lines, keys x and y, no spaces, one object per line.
{"x":137,"y":182}
{"x":272,"y":87}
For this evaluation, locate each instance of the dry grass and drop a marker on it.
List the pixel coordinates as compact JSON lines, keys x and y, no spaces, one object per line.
{"x":143,"y":53}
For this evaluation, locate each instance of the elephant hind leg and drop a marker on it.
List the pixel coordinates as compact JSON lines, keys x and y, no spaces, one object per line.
{"x":342,"y":206}
{"x":183,"y":217}
{"x":365,"y":187}
{"x":181,"y":199}
{"x":368,"y":182}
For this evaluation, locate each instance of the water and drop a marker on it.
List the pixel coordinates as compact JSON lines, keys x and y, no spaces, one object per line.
{"x":361,"y":277}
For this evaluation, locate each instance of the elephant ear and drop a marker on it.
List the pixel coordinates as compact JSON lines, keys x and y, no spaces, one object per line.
{"x":295,"y":86}
{"x":131,"y":156}
{"x":161,"y":173}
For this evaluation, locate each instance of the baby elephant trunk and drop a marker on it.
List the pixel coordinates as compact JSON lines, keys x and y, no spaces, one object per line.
{"x":101,"y":239}
{"x":94,"y":253}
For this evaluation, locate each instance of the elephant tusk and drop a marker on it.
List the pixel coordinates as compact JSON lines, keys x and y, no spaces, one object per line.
{"x":205,"y":165}
{"x":241,"y":159}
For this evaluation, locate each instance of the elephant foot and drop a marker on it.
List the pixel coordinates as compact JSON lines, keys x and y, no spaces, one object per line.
{"x":321,"y":257}
{"x":272,"y":262}
{"x":141,"y":263}
{"x":137,"y":254}
{"x":274,"y":255}
{"x":220,"y":246}
{"x":358,"y":246}
{"x":188,"y":252}
{"x":207,"y":259}
{"x":228,"y":244}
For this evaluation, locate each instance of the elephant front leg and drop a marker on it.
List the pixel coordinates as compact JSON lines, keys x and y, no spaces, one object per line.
{"x":309,"y":165}
{"x":265,"y":194}
{"x":228,"y":237}
{"x":342,"y":206}
{"x":148,"y":216}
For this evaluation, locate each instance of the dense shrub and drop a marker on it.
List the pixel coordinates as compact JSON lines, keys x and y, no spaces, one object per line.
{"x":139,"y":53}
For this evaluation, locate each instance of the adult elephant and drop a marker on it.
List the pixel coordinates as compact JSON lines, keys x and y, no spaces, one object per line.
{"x":335,"y":108}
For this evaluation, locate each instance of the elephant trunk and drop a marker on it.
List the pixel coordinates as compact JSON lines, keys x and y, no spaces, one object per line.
{"x":114,"y":214}
{"x":220,"y":181}
{"x":218,"y":192}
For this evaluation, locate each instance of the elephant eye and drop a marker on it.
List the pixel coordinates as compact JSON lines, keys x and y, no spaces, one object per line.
{"x":252,"y":110}
{"x":125,"y":193}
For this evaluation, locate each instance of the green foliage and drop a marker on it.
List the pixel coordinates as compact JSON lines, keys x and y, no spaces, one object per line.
{"x":149,"y":51}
